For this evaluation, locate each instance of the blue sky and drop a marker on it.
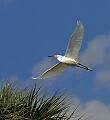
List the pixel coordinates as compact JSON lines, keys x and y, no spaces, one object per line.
{"x":30,"y":30}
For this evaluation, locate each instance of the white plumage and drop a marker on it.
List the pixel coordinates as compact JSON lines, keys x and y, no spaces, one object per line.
{"x":71,"y":56}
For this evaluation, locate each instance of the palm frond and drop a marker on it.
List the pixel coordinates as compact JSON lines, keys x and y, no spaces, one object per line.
{"x":35,"y":104}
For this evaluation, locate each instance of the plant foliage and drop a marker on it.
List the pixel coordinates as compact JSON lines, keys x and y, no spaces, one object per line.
{"x":34,"y":104}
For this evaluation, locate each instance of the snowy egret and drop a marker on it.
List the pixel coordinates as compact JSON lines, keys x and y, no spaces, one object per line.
{"x":71,"y":56}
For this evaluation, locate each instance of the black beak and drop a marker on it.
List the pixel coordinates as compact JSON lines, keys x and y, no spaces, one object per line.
{"x":50,"y":56}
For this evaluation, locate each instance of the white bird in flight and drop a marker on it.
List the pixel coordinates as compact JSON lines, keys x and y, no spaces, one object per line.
{"x":71,"y":56}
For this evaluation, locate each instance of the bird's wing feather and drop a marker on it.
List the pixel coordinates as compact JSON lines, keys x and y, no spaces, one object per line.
{"x":59,"y":67}
{"x":75,"y":42}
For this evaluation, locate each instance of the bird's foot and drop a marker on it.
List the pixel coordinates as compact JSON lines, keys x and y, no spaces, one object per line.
{"x":88,"y":68}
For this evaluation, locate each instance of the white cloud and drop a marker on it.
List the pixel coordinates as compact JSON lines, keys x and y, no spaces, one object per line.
{"x":97,"y":55}
{"x":97,"y":110}
{"x":96,"y":52}
{"x":103,"y":77}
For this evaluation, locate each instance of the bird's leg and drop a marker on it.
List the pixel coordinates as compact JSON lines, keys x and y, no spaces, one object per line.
{"x":83,"y":66}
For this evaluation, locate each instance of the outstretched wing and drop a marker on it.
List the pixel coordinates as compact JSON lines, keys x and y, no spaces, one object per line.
{"x":75,"y":41}
{"x":53,"y":71}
